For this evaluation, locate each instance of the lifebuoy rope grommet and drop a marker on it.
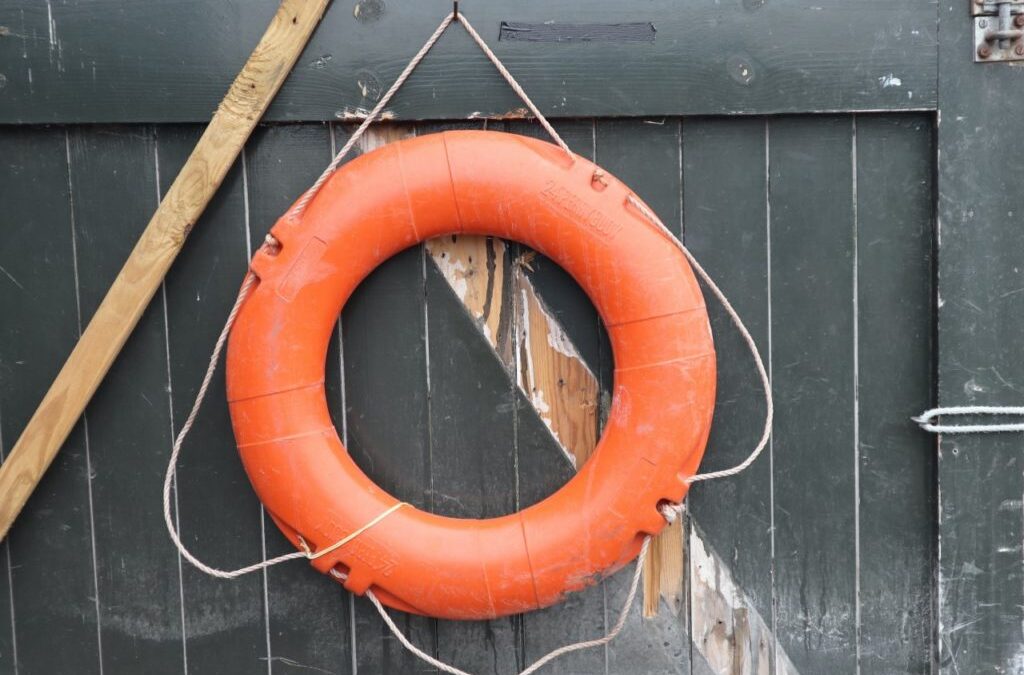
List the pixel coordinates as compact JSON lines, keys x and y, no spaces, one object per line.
{"x":472,"y":182}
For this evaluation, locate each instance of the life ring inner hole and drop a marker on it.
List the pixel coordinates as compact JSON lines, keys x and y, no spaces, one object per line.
{"x":506,"y":358}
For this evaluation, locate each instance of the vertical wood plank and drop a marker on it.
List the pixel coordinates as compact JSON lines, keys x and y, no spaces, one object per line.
{"x":387,"y":416}
{"x":542,"y":467}
{"x":308,"y":621}
{"x":219,"y":513}
{"x":388,"y":426}
{"x":645,"y":154}
{"x":129,"y":428}
{"x":980,"y":305}
{"x":473,"y":459}
{"x":812,"y":301}
{"x":897,"y":461}
{"x":725,"y":200}
{"x":473,"y":451}
{"x":50,"y":552}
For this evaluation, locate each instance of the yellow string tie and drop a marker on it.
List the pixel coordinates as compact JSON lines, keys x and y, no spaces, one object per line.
{"x":347,"y":538}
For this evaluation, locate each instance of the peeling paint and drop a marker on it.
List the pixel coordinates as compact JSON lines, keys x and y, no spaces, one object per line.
{"x":890,"y":80}
{"x":726,"y":628}
{"x":379,"y":135}
{"x":360,"y":114}
{"x":533,"y":347}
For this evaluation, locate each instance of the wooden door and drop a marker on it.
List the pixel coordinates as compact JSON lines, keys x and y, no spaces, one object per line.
{"x":793,"y":148}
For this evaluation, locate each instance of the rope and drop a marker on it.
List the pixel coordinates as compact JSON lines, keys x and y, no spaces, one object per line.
{"x":516,"y":87}
{"x":669,"y":511}
{"x":550,"y":656}
{"x":741,"y":327}
{"x":172,"y":530}
{"x":243,"y":293}
{"x":301,"y":204}
{"x":925,"y":419}
{"x":308,"y":195}
{"x":355,"y":533}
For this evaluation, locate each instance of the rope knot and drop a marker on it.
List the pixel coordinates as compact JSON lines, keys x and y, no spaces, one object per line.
{"x":670,"y":511}
{"x":272,"y":243}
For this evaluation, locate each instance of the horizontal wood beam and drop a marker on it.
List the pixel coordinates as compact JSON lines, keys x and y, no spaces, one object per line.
{"x":123,"y":61}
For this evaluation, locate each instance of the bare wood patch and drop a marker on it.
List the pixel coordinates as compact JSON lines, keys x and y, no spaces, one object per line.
{"x":475,"y":267}
{"x":553,"y":375}
{"x":726,"y":628}
{"x":664,"y":571}
{"x":379,"y":135}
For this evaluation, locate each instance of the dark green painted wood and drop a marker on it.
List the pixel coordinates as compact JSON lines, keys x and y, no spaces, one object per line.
{"x":473,"y":459}
{"x":725,"y":225}
{"x":895,"y":207}
{"x":812,"y":352}
{"x":391,"y":414}
{"x":129,"y":417}
{"x":385,"y":381}
{"x":645,"y":154}
{"x":122,"y":61}
{"x":981,"y":597}
{"x":50,"y":546}
{"x":309,"y":614}
{"x":225,"y":622}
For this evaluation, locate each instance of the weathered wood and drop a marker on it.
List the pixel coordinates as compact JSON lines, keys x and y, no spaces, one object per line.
{"x":129,"y":428}
{"x":49,"y":622}
{"x":645,"y":154}
{"x":725,"y":225}
{"x":528,"y":340}
{"x":125,"y":61}
{"x":473,"y":451}
{"x":387,"y":416}
{"x":217,"y":512}
{"x":542,"y":468}
{"x":388,"y":420}
{"x":156,"y":249}
{"x":308,"y":615}
{"x":980,"y":310}
{"x":895,"y":206}
{"x":812,"y":352}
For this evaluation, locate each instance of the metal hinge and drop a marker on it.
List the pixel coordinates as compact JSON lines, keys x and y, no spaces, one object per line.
{"x":998,"y":30}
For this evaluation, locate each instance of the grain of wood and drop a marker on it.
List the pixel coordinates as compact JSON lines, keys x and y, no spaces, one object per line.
{"x":553,"y":375}
{"x":816,"y":60}
{"x":232,"y":123}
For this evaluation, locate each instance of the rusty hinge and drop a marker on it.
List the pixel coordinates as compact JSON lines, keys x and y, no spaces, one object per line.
{"x":998,"y":30}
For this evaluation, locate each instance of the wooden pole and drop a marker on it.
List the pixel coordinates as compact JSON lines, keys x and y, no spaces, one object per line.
{"x":232,"y":123}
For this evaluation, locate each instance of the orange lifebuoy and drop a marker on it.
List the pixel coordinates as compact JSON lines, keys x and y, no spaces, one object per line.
{"x":473,"y":182}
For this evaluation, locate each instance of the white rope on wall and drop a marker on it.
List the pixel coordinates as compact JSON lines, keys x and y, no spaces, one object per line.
{"x":926,"y":419}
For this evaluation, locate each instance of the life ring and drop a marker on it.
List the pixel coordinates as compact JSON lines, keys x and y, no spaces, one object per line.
{"x":473,"y":182}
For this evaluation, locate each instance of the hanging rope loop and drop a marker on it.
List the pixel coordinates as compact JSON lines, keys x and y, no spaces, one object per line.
{"x":670,"y":511}
{"x":925,"y":420}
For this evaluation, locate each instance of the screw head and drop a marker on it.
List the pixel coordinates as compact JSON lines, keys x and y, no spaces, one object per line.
{"x":1018,"y":21}
{"x":1019,"y":50}
{"x":984,"y":51}
{"x":983,"y":23}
